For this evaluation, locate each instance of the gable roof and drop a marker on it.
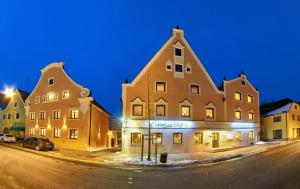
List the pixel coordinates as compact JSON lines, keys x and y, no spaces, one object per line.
{"x":24,"y":95}
{"x":276,"y":107}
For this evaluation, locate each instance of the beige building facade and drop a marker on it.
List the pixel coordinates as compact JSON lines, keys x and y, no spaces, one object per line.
{"x":66,"y":113}
{"x":175,"y":95}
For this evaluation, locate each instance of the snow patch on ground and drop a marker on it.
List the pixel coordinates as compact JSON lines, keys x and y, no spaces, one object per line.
{"x":270,"y":142}
{"x":145,"y":162}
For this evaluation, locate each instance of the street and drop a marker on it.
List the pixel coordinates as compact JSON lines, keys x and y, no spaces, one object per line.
{"x":276,"y":168}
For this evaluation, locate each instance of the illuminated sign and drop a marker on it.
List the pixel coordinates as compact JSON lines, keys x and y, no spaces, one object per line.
{"x":169,"y":124}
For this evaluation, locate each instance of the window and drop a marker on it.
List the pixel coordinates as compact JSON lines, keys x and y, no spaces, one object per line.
{"x":178,"y":68}
{"x":65,"y":94}
{"x":177,"y":52}
{"x":17,"y":115}
{"x":44,"y":99}
{"x":8,"y":116}
{"x":238,"y":115}
{"x":243,"y":82}
{"x":32,"y":116}
{"x":238,"y":136}
{"x":277,"y":134}
{"x":198,"y":138}
{"x":250,"y":99}
{"x":251,"y":135}
{"x":160,"y":110}
{"x":31,"y":131}
{"x":157,"y":138}
{"x":3,"y":116}
{"x":210,"y":113}
{"x":298,"y":118}
{"x":37,"y":99}
{"x":238,"y":96}
{"x":73,"y":134}
{"x":56,"y":133}
{"x":15,"y":104}
{"x":56,"y":114}
{"x":137,"y":110}
{"x":161,"y":86}
{"x":136,"y":138}
{"x":293,"y":117}
{"x":51,"y":81}
{"x":52,"y":96}
{"x":74,"y":114}
{"x":177,"y":138}
{"x":169,"y":67}
{"x":42,"y":132}
{"x":195,"y":89}
{"x":277,"y":118}
{"x":185,"y":111}
{"x":42,"y":115}
{"x":251,"y":115}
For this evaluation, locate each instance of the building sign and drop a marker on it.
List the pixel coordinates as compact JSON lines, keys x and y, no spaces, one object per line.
{"x":169,"y":124}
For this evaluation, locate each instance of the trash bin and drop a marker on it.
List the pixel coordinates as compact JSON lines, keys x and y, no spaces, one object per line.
{"x":163,"y":157}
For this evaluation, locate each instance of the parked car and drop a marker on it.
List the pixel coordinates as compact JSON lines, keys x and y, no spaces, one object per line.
{"x":37,"y":143}
{"x":7,"y":138}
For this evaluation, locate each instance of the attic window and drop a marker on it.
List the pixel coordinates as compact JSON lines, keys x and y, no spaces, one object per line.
{"x":243,"y":82}
{"x":178,"y":68}
{"x":177,"y":52}
{"x":51,"y":81}
{"x":169,"y":67}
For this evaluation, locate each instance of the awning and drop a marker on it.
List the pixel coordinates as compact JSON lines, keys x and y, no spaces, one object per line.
{"x":17,"y":128}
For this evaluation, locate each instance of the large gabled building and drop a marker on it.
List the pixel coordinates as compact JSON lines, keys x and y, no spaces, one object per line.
{"x":176,"y":96}
{"x":280,"y":120}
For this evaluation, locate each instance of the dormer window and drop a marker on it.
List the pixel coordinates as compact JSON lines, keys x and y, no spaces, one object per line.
{"x":178,"y":68}
{"x":177,"y":52}
{"x":51,"y":81}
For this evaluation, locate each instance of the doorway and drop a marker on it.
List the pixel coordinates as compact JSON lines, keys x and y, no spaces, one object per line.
{"x":215,"y":140}
{"x":5,"y":130}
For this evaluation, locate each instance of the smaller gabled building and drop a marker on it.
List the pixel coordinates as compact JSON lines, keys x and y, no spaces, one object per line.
{"x":280,"y":120}
{"x":12,"y":117}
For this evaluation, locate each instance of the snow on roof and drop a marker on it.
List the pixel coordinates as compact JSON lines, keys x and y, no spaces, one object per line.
{"x":280,"y":110}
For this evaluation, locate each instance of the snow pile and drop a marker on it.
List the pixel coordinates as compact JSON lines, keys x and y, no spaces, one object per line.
{"x":271,"y":142}
{"x":145,"y":162}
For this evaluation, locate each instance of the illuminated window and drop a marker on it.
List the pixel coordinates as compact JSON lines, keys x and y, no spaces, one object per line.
{"x":37,"y":99}
{"x":178,"y":68}
{"x":161,"y":86}
{"x":250,"y":99}
{"x":198,"y":138}
{"x":32,"y":116}
{"x":42,"y":132}
{"x":238,"y":96}
{"x":73,"y":134}
{"x":160,"y":110}
{"x":251,"y":135}
{"x":56,"y":133}
{"x":251,"y":115}
{"x":136,"y":138}
{"x":42,"y":115}
{"x":195,"y":89}
{"x":50,"y":96}
{"x":238,"y":115}
{"x":74,"y":114}
{"x":210,"y":113}
{"x":137,"y":110}
{"x":31,"y":131}
{"x":56,"y":114}
{"x":177,"y":138}
{"x":185,"y":111}
{"x":177,"y":52}
{"x":65,"y":94}
{"x":157,"y":138}
{"x":277,"y":118}
{"x":51,"y":81}
{"x":17,"y":115}
{"x":238,"y":136}
{"x":45,"y":98}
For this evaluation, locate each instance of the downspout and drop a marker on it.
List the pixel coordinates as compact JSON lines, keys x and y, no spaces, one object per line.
{"x":90,"y":126}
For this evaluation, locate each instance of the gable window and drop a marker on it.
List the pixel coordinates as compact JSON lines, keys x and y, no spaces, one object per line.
{"x":56,"y":114}
{"x":250,"y":99}
{"x":17,"y":115}
{"x":178,"y":68}
{"x":277,"y":118}
{"x":74,"y":114}
{"x":137,"y":110}
{"x":8,"y":116}
{"x":238,"y":96}
{"x":161,"y":86}
{"x":160,"y":110}
{"x":169,"y":67}
{"x":3,"y":116}
{"x":195,"y":89}
{"x":136,"y":138}
{"x":31,"y":131}
{"x":251,"y":115}
{"x":42,"y":115}
{"x":37,"y":99}
{"x":157,"y":138}
{"x":177,"y":52}
{"x":42,"y":132}
{"x":177,"y":138}
{"x":65,"y":94}
{"x":185,"y":111}
{"x":44,"y":99}
{"x":243,"y":83}
{"x":293,"y":117}
{"x":32,"y":116}
{"x":198,"y":138}
{"x":56,"y":133}
{"x":50,"y":96}
{"x":238,"y":115}
{"x":210,"y":113}
{"x":15,"y":104}
{"x":51,"y":81}
{"x":73,"y":134}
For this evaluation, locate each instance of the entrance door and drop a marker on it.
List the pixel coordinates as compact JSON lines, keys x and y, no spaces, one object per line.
{"x":112,"y":142}
{"x":5,"y":130}
{"x":215,"y":140}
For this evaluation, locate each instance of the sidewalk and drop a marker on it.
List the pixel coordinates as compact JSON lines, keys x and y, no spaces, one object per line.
{"x":114,"y":157}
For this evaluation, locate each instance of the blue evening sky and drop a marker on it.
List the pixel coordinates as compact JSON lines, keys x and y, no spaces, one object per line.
{"x":103,"y":42}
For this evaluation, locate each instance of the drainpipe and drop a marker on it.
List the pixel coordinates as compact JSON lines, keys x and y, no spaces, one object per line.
{"x":90,"y":126}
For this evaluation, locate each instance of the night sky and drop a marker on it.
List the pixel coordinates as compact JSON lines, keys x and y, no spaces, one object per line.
{"x":103,"y":42}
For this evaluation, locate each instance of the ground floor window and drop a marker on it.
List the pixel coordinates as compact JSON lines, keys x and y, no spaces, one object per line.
{"x":31,"y":131}
{"x":277,"y":134}
{"x":42,"y":132}
{"x":251,"y":135}
{"x":56,"y":133}
{"x":298,"y":132}
{"x":238,"y":136}
{"x":177,"y":138}
{"x":157,"y":138}
{"x":198,"y":138}
{"x":136,"y":138}
{"x":73,"y":134}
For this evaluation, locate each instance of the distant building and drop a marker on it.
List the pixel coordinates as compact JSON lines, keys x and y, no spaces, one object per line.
{"x":66,"y":113}
{"x":12,"y":117}
{"x":280,"y":120}
{"x":187,"y":112}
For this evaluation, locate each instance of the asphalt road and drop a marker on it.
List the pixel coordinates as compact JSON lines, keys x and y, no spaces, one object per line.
{"x":277,"y":168}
